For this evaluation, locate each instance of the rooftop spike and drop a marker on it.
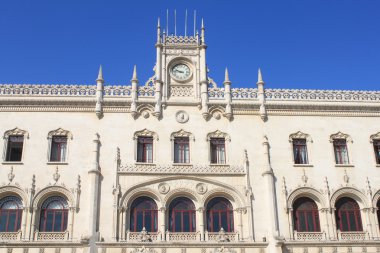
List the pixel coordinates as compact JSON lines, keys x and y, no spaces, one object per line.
{"x":158,"y":23}
{"x":202,"y":26}
{"x":100,"y":75}
{"x":134,"y":76}
{"x":260,"y":77}
{"x":226,"y":77}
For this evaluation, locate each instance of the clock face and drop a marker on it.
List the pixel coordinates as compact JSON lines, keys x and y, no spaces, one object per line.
{"x":180,"y":71}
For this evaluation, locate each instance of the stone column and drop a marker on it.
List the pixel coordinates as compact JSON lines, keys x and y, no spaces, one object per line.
{"x":94,"y":179}
{"x":25,"y":212}
{"x":33,"y":219}
{"x":123,"y":225}
{"x":201,"y":219}
{"x":71,"y":224}
{"x":290,"y":218}
{"x":161,"y":222}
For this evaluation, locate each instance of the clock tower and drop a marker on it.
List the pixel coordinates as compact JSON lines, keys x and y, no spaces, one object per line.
{"x":180,"y":70}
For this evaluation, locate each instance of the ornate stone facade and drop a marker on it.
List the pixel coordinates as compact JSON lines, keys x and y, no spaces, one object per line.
{"x":252,"y":131}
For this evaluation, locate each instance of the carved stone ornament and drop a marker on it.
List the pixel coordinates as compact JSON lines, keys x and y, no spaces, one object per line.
{"x":11,"y":175}
{"x":16,"y":131}
{"x":182,"y":116}
{"x":143,"y":250}
{"x":340,"y":135}
{"x":56,"y":175}
{"x":375,"y":137}
{"x":60,"y":132}
{"x":201,"y":188}
{"x":218,"y":134}
{"x":163,"y":188}
{"x":300,"y":135}
{"x":145,"y":133}
{"x":181,"y":133}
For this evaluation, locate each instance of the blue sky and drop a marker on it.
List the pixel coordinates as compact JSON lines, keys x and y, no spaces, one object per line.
{"x":311,"y":44}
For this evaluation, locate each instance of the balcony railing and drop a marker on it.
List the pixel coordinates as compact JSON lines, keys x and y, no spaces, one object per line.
{"x":51,"y":236}
{"x":352,"y":236}
{"x":10,"y":236}
{"x":309,"y":236}
{"x":221,"y":236}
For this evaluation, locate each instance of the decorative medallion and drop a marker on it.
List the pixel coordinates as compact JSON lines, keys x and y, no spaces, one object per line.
{"x":163,"y":188}
{"x":182,"y":117}
{"x":201,"y":188}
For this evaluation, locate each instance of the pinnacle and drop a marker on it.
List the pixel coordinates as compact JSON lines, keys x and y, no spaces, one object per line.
{"x":202,"y":26}
{"x":260,"y":77}
{"x":100,"y":75}
{"x":158,"y":23}
{"x":226,"y":77}
{"x":134,"y":76}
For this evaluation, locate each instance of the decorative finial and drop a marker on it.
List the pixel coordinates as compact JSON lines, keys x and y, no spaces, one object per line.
{"x":158,"y":23}
{"x":100,"y":75}
{"x":304,"y":177}
{"x":226,"y":77}
{"x":327,"y":187}
{"x":11,"y":176}
{"x":284,"y":187}
{"x":260,"y":77}
{"x":202,"y":25}
{"x":134,"y":76}
{"x":245,"y":155}
{"x":56,"y":175}
{"x":265,"y":139}
{"x":346,"y":178}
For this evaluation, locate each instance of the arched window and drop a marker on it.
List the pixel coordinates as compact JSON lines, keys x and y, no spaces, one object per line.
{"x":54,"y":213}
{"x":220,"y":215}
{"x":143,"y":214}
{"x":347,"y":215}
{"x":182,"y":215}
{"x":10,"y":214}
{"x":306,"y":215}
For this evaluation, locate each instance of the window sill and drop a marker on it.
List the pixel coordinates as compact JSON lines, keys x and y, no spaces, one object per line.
{"x":344,"y":165}
{"x":10,"y":162}
{"x":303,"y":165}
{"x":219,"y":164}
{"x":142,"y":163}
{"x":182,"y":164}
{"x":57,"y":163}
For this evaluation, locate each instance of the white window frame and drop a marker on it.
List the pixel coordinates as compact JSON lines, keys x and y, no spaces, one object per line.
{"x":342,"y":136}
{"x":58,"y":132}
{"x":145,"y":133}
{"x":13,"y":132}
{"x":182,"y":134}
{"x":309,"y":140}
{"x":227,"y":140}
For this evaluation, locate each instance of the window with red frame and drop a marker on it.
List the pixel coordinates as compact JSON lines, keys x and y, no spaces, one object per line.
{"x":14,"y":148}
{"x":220,"y":215}
{"x":54,"y":212}
{"x":218,"y":150}
{"x":347,"y":215}
{"x":306,"y":215}
{"x":376,"y":147}
{"x":143,"y":214}
{"x":145,"y":149}
{"x":182,"y":215}
{"x":181,"y":150}
{"x":58,"y":149}
{"x":300,"y":151}
{"x":340,"y":151}
{"x":10,"y":214}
